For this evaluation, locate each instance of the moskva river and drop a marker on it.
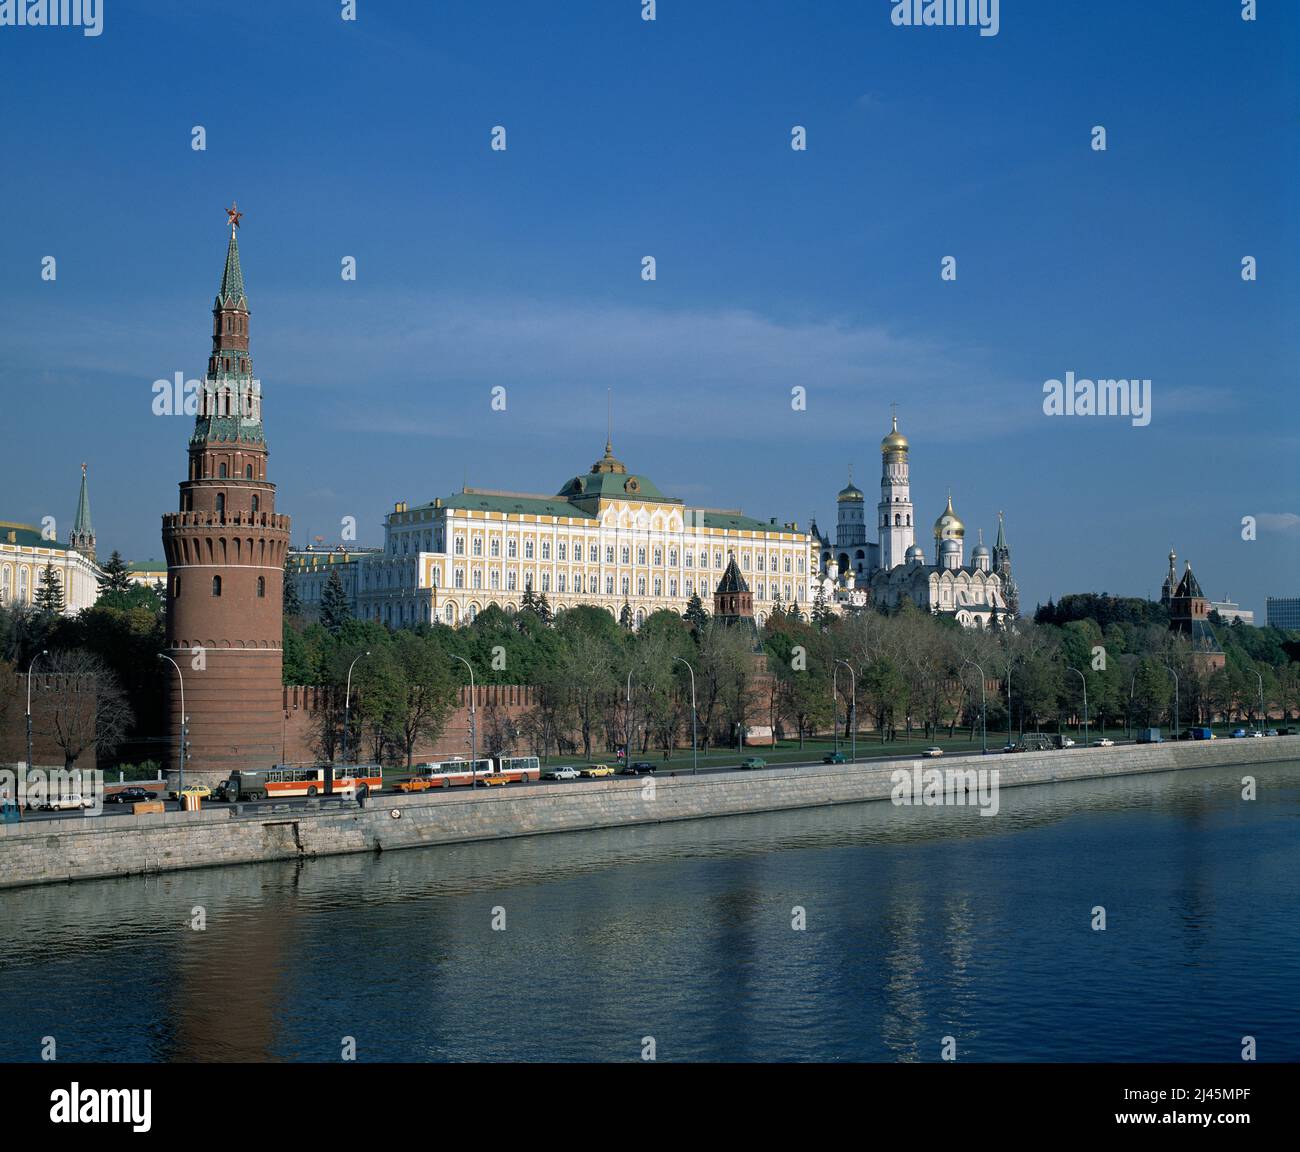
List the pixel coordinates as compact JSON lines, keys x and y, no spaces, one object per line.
{"x":865,"y":932}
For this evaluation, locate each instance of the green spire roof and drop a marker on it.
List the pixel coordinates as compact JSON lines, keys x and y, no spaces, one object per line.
{"x":81,"y":526}
{"x":232,"y":279}
{"x":1001,"y":541}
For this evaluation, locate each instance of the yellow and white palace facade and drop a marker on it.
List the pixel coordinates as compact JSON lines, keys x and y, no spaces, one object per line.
{"x":608,"y":538}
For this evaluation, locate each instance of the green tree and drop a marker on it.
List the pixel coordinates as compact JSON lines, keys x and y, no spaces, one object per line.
{"x":334,"y":608}
{"x":696,"y":616}
{"x":49,"y":597}
{"x":115,"y":576}
{"x":290,"y":600}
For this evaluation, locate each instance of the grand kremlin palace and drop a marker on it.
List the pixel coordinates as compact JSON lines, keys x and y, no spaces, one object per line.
{"x":607,"y":538}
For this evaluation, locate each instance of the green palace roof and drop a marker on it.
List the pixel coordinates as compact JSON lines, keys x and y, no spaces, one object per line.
{"x":26,"y":536}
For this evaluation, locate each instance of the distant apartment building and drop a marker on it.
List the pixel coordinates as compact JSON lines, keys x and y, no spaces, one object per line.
{"x":1283,"y":612}
{"x":1230,"y":612}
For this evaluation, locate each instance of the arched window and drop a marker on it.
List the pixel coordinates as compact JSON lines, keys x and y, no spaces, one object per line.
{"x":216,"y":585}
{"x":176,"y":588}
{"x":257,"y":504}
{"x":221,"y":503}
{"x":898,"y":520}
{"x":261,"y":587}
{"x":248,"y":471}
{"x":221,"y":472}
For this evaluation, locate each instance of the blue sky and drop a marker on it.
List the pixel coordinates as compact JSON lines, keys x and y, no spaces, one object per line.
{"x":775,"y":268}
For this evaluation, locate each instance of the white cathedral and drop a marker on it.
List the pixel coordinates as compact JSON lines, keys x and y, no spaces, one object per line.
{"x":856,"y":572}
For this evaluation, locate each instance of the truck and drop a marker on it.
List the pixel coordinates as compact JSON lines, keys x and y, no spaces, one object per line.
{"x":1149,"y":736}
{"x":1034,"y":742}
{"x":1198,"y":733}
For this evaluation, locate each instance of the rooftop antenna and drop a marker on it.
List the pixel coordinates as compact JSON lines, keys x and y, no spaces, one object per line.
{"x":609,"y":419}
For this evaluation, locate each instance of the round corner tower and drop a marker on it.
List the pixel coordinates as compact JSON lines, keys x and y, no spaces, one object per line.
{"x":225,"y":550}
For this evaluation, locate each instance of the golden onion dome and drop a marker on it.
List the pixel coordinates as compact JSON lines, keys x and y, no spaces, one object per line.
{"x":895,"y":441}
{"x":850,"y":492}
{"x":949,"y":525}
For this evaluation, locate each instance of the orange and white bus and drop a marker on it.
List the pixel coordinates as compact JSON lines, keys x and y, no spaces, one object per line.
{"x":321,"y":780}
{"x":453,"y":773}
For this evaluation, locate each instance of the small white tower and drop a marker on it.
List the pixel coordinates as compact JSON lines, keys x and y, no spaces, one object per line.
{"x":948,"y":528}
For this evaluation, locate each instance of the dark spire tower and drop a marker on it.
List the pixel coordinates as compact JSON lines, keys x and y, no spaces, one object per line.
{"x":82,"y":536}
{"x":225,"y":551}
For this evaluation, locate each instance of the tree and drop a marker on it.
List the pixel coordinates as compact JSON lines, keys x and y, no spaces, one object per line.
{"x":292,"y":604}
{"x":334,"y":608}
{"x":429,"y":694}
{"x":85,"y":706}
{"x":543,"y":609}
{"x":821,"y":610}
{"x":116,"y":576}
{"x":49,"y":597}
{"x":625,"y":616}
{"x":696,"y":616}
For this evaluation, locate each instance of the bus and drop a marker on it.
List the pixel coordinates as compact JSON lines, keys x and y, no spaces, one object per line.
{"x":450,"y":773}
{"x":284,"y":780}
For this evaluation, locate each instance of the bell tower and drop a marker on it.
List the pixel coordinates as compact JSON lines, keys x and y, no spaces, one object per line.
{"x":225,"y":549}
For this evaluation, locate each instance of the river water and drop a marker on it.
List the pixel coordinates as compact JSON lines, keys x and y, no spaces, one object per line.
{"x":919,"y":924}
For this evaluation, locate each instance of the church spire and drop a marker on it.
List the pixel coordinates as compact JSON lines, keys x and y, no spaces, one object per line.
{"x":82,"y":537}
{"x":231,"y":294}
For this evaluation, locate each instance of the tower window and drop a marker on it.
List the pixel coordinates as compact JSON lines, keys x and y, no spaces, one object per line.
{"x":216,"y":585}
{"x":257,"y":504}
{"x":221,"y":503}
{"x":248,"y":471}
{"x":221,"y":472}
{"x":261,"y":587}
{"x":176,"y":588}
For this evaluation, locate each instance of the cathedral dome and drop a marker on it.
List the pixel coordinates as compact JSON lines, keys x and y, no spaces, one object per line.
{"x":914,"y":554}
{"x":949,"y":525}
{"x":895,"y":441}
{"x":850,"y":492}
{"x":981,"y":550}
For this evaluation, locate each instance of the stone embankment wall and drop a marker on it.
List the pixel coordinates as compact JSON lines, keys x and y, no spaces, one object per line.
{"x":42,"y":852}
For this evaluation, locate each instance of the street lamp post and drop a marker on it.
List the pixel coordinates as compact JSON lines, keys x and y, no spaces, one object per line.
{"x":185,"y":724}
{"x":1261,"y":699}
{"x":42,"y":652}
{"x":695,"y":753}
{"x":1084,"y":681}
{"x":347,"y":708}
{"x":1174,"y":674}
{"x":853,"y":707}
{"x":984,"y":709}
{"x":473,"y":729}
{"x":627,"y":725}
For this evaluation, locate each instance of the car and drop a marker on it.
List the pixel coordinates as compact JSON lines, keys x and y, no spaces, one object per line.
{"x":935,"y":751}
{"x":63,"y":803}
{"x":1010,"y":747}
{"x":130,"y":795}
{"x":416,"y":784}
{"x":1271,"y":732}
{"x":1104,"y":742}
{"x":753,"y":762}
{"x":565,"y":773}
{"x":494,"y":780}
{"x":202,"y":791}
{"x":639,"y":768}
{"x":1257,"y":734}
{"x":835,"y":758}
{"x":595,"y":771}
{"x":1239,"y":733}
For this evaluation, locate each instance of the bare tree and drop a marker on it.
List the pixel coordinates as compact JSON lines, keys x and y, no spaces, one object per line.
{"x":83,"y":705}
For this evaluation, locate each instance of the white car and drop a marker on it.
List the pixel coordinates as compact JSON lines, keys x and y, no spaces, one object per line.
{"x":62,"y":803}
{"x":1104,"y":742}
{"x":562,"y":774}
{"x":1256,"y":733}
{"x":935,"y":751}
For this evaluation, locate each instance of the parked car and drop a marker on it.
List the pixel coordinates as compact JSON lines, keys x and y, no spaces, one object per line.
{"x":1009,"y":747}
{"x":1255,"y":732}
{"x":1104,"y":742}
{"x":1271,"y":732}
{"x":202,"y":791}
{"x":495,"y":780}
{"x":753,"y":762}
{"x":835,"y":758}
{"x":597,"y":770}
{"x":1239,"y":733}
{"x":935,"y":751}
{"x":132,"y":795}
{"x":566,"y":773}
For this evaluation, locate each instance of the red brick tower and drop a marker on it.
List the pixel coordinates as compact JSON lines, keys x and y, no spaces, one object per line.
{"x":225,"y":553}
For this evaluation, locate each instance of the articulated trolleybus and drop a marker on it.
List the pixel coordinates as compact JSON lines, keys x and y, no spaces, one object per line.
{"x":449,"y":773}
{"x":322,"y":780}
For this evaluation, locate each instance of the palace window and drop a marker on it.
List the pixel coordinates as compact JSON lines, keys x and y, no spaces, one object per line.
{"x":595,"y":554}
{"x":510,"y":581}
{"x":477,"y":577}
{"x":640,"y":585}
{"x":658,"y":557}
{"x":449,"y":613}
{"x":672,"y":558}
{"x":626,"y":589}
{"x":546,"y":581}
{"x":609,"y":585}
{"x":787,"y":563}
{"x":512,"y":549}
{"x":745,"y":561}
{"x":495,"y":547}
{"x":690,"y":558}
{"x":594,"y":584}
{"x":460,"y":545}
{"x":609,"y":554}
{"x":672,"y":587}
{"x":659,"y":586}
{"x":717,"y":559}
{"x":563,"y":551}
{"x":560,"y":584}
{"x":640,"y":555}
{"x":477,"y":546}
{"x":460,"y":578}
{"x":704,"y":587}
{"x":690,"y":588}
{"x":626,"y":554}
{"x":494,"y":578}
{"x":546,"y":549}
{"x":528,"y":549}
